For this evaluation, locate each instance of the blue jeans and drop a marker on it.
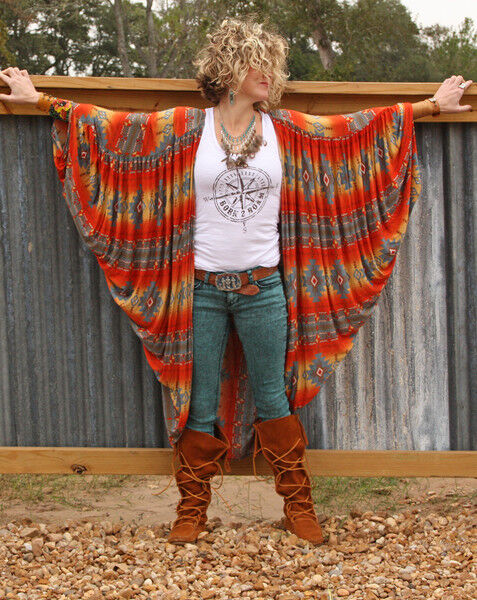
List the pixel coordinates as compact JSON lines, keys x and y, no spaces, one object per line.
{"x":261,"y":324}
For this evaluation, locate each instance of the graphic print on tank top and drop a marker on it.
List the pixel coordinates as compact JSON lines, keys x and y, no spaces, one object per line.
{"x":237,"y":209}
{"x":240,"y":193}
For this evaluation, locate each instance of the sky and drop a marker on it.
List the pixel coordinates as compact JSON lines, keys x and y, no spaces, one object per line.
{"x":444,"y":12}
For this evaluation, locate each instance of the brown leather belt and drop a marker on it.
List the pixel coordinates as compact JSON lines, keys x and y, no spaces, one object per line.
{"x":236,"y":282}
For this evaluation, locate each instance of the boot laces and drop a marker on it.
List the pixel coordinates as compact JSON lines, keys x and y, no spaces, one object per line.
{"x":299,"y":464}
{"x":203,"y":482}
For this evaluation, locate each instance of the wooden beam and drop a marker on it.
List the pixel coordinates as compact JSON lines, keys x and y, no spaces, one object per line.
{"x":157,"y":461}
{"x":313,"y":97}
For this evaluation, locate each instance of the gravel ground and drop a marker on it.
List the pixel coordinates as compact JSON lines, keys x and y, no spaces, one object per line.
{"x":411,"y":553}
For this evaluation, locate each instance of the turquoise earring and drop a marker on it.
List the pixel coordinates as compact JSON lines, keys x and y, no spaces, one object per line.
{"x":231,"y":96}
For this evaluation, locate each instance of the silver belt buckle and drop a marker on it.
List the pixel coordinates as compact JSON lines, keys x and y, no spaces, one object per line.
{"x":227,"y":282}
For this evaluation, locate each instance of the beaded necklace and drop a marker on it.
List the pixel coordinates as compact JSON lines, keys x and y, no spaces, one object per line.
{"x":242,"y":146}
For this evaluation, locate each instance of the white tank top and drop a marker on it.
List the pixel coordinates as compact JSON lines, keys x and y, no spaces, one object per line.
{"x":237,"y":210}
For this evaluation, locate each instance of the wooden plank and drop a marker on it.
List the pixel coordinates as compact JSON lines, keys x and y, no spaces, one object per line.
{"x":158,"y":461}
{"x":313,"y":97}
{"x":296,"y":86}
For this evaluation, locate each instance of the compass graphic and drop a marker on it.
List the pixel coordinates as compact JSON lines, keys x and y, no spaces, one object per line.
{"x":240,"y":193}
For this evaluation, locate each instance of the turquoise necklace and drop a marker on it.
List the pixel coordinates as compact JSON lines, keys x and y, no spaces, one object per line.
{"x":240,"y":141}
{"x":243,"y":145}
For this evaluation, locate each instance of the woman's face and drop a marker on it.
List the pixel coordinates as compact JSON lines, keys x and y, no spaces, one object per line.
{"x":255,"y":85}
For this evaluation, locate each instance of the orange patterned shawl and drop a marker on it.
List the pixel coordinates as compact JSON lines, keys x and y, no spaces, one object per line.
{"x":349,"y":184}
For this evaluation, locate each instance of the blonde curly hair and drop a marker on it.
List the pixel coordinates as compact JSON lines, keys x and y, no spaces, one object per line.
{"x":234,"y":46}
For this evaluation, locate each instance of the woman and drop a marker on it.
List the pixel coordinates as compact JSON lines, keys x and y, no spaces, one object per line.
{"x":283,"y":227}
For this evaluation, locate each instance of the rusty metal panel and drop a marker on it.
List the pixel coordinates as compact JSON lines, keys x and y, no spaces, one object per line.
{"x":73,"y":373}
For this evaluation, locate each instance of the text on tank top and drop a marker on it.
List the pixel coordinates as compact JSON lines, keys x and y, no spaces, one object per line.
{"x":237,"y":210}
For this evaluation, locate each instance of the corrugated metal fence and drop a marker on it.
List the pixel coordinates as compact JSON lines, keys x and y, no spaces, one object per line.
{"x":73,"y":373}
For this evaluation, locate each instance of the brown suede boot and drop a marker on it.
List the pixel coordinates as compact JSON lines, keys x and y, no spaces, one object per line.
{"x":198,"y":454}
{"x":283,"y":441}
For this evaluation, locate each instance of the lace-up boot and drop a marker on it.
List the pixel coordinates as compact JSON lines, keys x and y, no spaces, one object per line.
{"x":282,"y":442}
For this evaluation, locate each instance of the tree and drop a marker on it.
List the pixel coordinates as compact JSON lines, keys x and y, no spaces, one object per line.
{"x":377,"y":40}
{"x":362,"y":40}
{"x":51,"y":36}
{"x":452,"y":52}
{"x":152,"y":41}
{"x":122,"y":51}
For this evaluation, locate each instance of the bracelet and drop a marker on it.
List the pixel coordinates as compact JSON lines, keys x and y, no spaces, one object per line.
{"x":42,"y":102}
{"x":436,"y":108}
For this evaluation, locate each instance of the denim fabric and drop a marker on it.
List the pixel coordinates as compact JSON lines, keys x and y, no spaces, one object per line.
{"x":261,"y":324}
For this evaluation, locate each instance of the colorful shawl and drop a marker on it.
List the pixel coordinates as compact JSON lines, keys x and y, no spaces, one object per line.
{"x":349,"y":184}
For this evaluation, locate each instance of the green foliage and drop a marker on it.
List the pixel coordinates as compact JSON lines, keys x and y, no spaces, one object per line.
{"x":71,"y":37}
{"x":5,"y":54}
{"x":377,"y":40}
{"x":51,"y":37}
{"x":370,"y":40}
{"x":452,"y":52}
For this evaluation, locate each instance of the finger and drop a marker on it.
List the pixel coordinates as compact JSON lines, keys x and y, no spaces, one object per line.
{"x":462,"y":89}
{"x":4,"y":97}
{"x":459,"y":79}
{"x":464,"y":108}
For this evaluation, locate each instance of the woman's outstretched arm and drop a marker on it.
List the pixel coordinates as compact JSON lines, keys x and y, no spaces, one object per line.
{"x":448,"y":97}
{"x":24,"y":92}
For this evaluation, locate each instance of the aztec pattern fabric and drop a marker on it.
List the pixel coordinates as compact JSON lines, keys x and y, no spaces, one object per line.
{"x":349,"y":184}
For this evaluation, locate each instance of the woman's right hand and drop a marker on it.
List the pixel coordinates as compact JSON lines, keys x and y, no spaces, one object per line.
{"x":22,"y":89}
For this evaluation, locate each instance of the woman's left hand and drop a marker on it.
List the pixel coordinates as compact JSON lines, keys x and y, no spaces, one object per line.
{"x":449,"y":94}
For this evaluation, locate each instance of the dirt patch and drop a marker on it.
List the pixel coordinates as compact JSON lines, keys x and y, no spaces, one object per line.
{"x":134,"y":499}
